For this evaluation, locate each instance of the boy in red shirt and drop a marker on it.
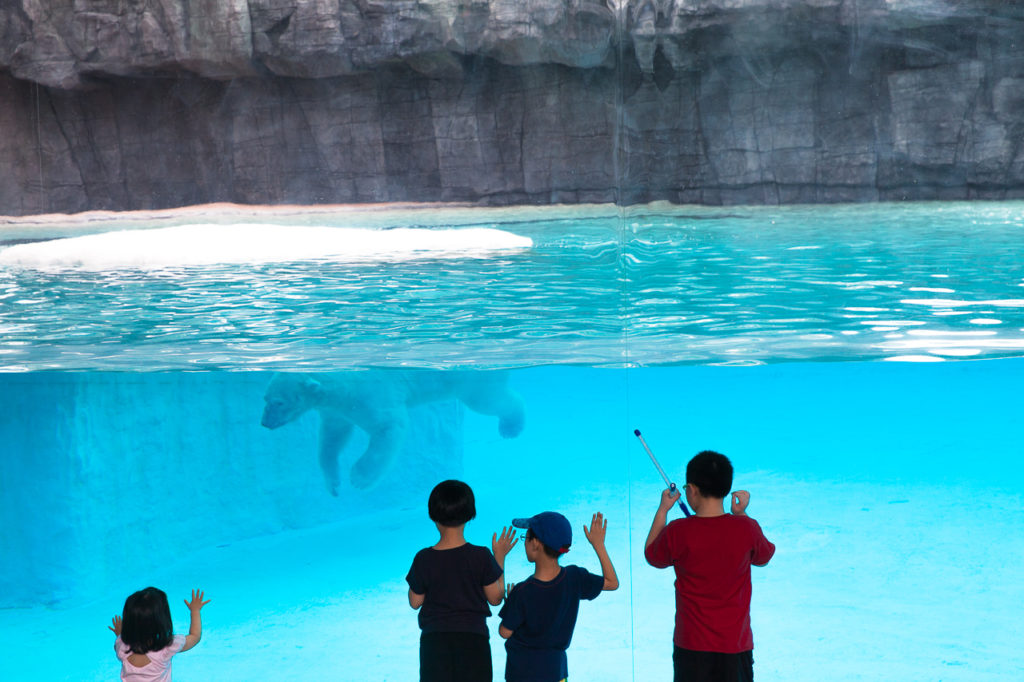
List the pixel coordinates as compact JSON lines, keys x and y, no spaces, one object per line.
{"x":711,"y":552}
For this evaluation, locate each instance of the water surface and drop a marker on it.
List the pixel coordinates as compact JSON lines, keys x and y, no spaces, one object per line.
{"x":644,"y":286}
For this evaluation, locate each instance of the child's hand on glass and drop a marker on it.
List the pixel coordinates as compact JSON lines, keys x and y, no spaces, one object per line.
{"x":501,"y":546}
{"x":197,"y":601}
{"x":598,"y":527}
{"x":115,"y":627}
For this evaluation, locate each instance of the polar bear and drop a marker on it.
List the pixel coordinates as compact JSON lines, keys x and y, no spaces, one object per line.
{"x":378,"y":402}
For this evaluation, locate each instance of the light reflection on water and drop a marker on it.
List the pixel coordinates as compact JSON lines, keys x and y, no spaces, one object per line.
{"x":650,"y":285}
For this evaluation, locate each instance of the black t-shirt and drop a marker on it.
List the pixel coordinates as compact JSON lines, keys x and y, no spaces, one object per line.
{"x":452,"y":582}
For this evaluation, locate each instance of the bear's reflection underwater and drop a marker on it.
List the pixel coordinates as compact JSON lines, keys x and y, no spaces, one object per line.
{"x":378,"y":403}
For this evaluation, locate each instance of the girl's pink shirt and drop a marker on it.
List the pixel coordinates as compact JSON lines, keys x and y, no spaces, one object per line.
{"x":159,"y":667}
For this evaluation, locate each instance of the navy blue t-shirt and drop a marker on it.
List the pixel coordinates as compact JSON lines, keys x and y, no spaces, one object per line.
{"x":452,"y":581}
{"x":542,"y":616}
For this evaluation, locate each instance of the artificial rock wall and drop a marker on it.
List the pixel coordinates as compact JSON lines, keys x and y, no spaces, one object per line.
{"x":109,"y":104}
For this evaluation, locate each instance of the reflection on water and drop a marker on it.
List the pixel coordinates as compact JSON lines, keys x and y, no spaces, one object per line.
{"x":654,"y":285}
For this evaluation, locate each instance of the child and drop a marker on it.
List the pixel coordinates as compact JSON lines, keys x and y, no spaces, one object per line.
{"x":454,"y":581}
{"x":145,"y":640}
{"x":540,"y":614}
{"x":712,"y":553}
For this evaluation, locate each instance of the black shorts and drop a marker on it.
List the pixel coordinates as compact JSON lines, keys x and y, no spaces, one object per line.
{"x":711,"y":666}
{"x":455,"y":657}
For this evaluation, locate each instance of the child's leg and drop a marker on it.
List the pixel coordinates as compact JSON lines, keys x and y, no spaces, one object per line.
{"x":435,"y":658}
{"x":710,"y":666}
{"x":738,"y":667}
{"x":473,"y":659}
{"x":692,"y":666}
{"x":455,"y":657}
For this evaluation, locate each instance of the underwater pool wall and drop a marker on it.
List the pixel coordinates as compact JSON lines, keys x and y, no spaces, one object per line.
{"x":109,"y":474}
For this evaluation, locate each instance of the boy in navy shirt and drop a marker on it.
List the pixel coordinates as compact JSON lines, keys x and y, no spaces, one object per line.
{"x":539,"y":615}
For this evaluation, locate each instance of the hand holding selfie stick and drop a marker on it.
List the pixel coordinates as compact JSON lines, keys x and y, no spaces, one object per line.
{"x":670,"y":484}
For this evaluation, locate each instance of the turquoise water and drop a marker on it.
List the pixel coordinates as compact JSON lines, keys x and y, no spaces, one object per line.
{"x":656,"y":285}
{"x":891,"y":488}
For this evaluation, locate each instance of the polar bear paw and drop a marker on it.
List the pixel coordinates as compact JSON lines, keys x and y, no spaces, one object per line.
{"x":510,"y":426}
{"x":365,"y":473}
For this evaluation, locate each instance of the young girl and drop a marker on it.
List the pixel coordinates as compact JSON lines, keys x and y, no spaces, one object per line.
{"x":145,"y":641}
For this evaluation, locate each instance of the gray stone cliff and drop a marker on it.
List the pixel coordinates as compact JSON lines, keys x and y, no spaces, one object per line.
{"x":133,"y":104}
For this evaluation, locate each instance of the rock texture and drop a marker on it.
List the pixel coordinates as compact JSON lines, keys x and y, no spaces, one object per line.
{"x":126,"y":104}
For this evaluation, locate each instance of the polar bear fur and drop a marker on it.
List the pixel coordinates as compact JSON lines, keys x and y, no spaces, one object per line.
{"x":378,"y":402}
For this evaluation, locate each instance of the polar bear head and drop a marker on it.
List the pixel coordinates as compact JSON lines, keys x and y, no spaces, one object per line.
{"x":289,"y":396}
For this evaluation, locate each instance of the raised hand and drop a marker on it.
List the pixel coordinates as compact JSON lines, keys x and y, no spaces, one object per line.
{"x":501,"y":546}
{"x":197,"y":601}
{"x":669,"y":498}
{"x":598,"y":528}
{"x":115,"y":626}
{"x":740,"y":500}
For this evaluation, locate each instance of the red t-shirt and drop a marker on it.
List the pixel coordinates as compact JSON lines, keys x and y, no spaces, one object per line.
{"x":712,"y":557}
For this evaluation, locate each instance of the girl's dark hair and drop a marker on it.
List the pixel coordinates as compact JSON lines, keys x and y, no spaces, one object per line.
{"x":711,"y":472}
{"x":553,"y":553}
{"x":451,"y":503}
{"x":146,"y":621}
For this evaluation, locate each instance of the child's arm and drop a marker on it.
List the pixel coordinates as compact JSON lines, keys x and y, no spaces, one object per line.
{"x":195,"y":628}
{"x":511,"y":612}
{"x":661,"y":516}
{"x":596,"y":534}
{"x":763,"y":549}
{"x":414,"y":579}
{"x":501,"y":546}
{"x":116,"y":627}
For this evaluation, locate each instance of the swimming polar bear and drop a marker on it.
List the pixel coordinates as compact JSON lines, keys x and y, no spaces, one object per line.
{"x":378,"y":402}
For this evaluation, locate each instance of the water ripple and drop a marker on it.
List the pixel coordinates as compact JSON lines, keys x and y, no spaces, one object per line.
{"x":937,"y":281}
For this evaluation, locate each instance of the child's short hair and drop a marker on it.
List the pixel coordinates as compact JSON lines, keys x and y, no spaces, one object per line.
{"x":451,"y":503}
{"x":146,"y":621}
{"x":553,"y":553}
{"x":711,"y":472}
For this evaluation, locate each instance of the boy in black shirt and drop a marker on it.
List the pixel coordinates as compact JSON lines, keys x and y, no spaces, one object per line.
{"x":453,"y":581}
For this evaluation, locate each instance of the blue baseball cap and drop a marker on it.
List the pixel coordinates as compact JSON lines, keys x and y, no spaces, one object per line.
{"x":549,"y":527}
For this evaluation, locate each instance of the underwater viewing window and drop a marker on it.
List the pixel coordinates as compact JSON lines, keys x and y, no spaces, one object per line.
{"x":271,"y":271}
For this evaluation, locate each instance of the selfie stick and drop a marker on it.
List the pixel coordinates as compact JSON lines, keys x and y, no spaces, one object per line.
{"x":670,"y":484}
